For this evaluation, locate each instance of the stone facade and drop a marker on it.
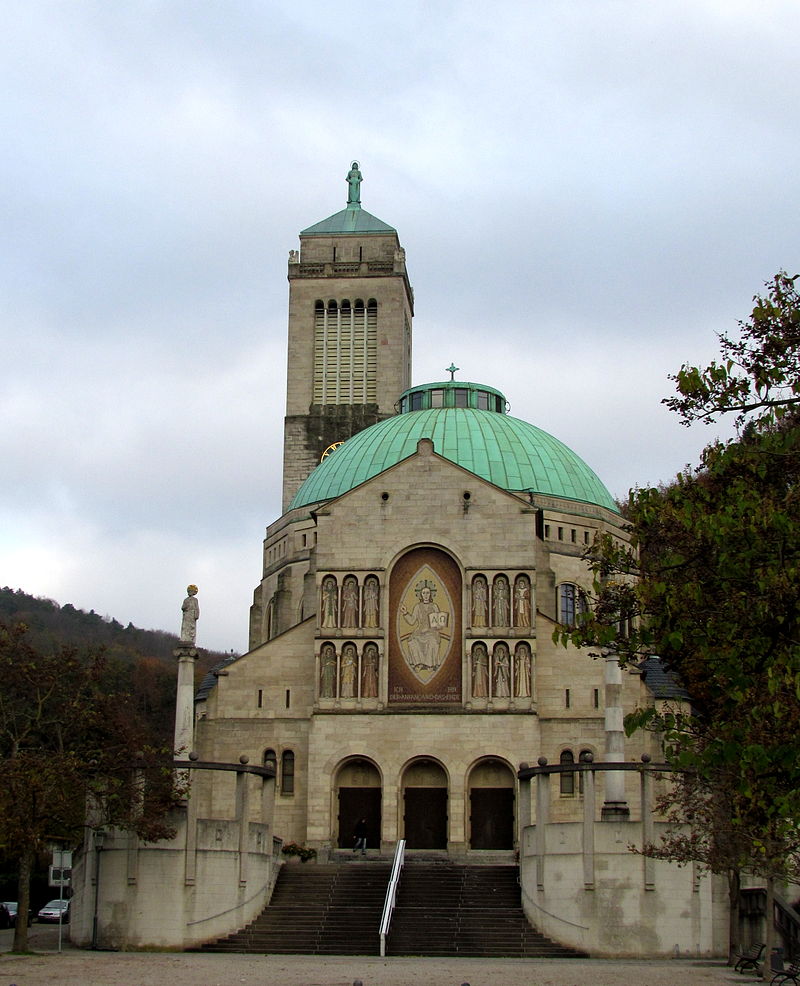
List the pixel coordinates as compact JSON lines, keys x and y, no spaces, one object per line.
{"x":281,"y":697}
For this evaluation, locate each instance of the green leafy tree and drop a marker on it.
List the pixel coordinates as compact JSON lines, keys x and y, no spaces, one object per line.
{"x":709,"y":584}
{"x":67,"y":737}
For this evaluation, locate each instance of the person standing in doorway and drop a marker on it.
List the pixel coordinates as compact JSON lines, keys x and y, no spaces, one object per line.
{"x":361,"y":837}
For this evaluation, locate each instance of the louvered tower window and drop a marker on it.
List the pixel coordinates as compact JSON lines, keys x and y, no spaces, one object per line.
{"x":345,"y":352}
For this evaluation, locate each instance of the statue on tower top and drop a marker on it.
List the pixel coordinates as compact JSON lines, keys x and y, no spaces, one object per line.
{"x":191,"y":614}
{"x":354,"y":180}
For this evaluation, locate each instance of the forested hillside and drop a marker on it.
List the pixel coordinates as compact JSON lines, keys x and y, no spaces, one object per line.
{"x":139,"y":661}
{"x":50,"y":623}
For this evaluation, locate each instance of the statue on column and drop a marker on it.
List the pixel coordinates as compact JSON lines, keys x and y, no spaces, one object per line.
{"x":354,"y":180}
{"x":191,"y":614}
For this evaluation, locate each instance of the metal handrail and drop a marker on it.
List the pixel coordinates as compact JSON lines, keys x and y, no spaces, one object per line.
{"x":391,"y":893}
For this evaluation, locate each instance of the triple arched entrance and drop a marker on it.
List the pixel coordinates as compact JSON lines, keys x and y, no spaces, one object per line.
{"x":425,"y":806}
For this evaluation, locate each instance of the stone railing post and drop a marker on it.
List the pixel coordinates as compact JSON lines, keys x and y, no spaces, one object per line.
{"x":647,"y":823}
{"x":542,"y":818}
{"x":588,"y":825}
{"x":615,"y":807}
{"x":243,"y":818}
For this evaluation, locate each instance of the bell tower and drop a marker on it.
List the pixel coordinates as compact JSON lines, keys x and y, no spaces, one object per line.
{"x":350,"y":312}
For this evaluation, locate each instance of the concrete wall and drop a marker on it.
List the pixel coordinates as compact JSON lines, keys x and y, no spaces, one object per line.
{"x":620,"y":915}
{"x":211,"y":879}
{"x":585,"y":884}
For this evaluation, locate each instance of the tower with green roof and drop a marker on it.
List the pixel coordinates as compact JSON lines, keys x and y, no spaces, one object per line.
{"x":350,"y":312}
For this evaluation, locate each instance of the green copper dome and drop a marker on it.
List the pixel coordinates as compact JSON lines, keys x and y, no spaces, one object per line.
{"x":509,"y":453}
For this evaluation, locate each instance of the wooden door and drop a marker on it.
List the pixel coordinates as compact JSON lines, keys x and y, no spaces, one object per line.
{"x":491,"y":818}
{"x":426,"y":817}
{"x":356,"y":803}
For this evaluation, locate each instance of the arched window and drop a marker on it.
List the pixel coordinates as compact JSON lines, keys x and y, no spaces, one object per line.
{"x":567,"y":759}
{"x":287,"y":772}
{"x":271,"y":760}
{"x":571,"y":604}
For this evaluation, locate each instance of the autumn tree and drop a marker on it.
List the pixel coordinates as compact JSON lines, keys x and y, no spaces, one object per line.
{"x":709,"y":584}
{"x":67,"y":736}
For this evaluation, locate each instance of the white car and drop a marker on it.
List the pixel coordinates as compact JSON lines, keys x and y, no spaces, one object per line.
{"x":55,"y":910}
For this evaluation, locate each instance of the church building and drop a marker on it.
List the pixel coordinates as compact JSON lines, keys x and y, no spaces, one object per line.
{"x":402,"y":679}
{"x":402,"y":662}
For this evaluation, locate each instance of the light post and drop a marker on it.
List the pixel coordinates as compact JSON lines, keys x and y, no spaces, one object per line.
{"x":99,"y":839}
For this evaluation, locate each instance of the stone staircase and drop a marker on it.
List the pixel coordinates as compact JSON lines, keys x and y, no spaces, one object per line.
{"x":332,"y":909}
{"x":441,"y":909}
{"x":446,"y":909}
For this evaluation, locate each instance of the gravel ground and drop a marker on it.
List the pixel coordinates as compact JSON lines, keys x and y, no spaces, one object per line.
{"x":75,"y":967}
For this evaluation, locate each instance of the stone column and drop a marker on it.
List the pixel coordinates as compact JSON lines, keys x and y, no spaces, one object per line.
{"x":615,"y":807}
{"x":186,"y":654}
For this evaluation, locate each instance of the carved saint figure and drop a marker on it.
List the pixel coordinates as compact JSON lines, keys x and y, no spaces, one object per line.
{"x":522,"y":601}
{"x":423,"y":643}
{"x":480,"y":600}
{"x":480,"y":671}
{"x":369,"y":671}
{"x":500,"y":599}
{"x":354,"y":180}
{"x":191,"y":614}
{"x":350,"y":602}
{"x":522,"y":670}
{"x":371,"y":601}
{"x":349,"y":668}
{"x":327,"y":679}
{"x":329,"y":601}
{"x":502,"y":671}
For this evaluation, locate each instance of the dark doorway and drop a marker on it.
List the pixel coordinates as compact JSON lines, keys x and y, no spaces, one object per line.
{"x":491,"y":818}
{"x":356,"y":803}
{"x":426,"y":817}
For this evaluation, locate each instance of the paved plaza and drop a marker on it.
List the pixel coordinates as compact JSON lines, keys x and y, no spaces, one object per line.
{"x":74,"y":967}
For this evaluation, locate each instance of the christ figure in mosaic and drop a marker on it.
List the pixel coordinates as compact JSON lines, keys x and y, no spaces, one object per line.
{"x":423,"y":643}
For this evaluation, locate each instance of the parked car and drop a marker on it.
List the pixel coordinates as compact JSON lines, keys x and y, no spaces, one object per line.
{"x":5,"y":916}
{"x":12,"y":907}
{"x":54,"y":910}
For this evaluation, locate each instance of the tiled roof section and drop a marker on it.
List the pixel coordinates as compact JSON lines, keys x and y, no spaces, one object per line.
{"x":505,"y":451}
{"x":664,"y":684}
{"x":353,"y":219}
{"x":209,"y":682}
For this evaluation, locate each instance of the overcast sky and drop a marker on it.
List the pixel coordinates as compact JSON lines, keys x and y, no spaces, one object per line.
{"x":587,"y":191}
